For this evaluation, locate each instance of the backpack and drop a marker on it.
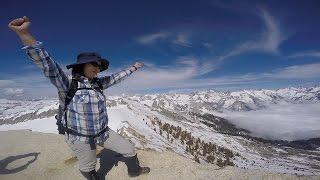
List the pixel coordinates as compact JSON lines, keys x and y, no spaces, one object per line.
{"x":70,"y":94}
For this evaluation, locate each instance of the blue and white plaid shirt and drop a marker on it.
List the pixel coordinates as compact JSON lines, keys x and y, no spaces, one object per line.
{"x":86,"y":113}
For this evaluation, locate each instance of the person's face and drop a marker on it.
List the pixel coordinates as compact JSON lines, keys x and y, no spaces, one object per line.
{"x":91,"y":70}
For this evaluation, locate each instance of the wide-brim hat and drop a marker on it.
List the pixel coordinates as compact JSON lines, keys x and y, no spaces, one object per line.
{"x":87,"y":57}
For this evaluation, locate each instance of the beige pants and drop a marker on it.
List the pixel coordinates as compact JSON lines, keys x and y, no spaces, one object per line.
{"x":87,"y":157}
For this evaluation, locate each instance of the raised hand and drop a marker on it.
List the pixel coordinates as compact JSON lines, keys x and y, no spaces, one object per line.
{"x":138,"y":65}
{"x":20,"y":25}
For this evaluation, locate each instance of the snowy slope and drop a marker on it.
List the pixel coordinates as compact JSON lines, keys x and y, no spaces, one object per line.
{"x":180,"y":123}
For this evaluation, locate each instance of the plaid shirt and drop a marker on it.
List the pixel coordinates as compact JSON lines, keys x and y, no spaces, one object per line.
{"x":86,"y":113}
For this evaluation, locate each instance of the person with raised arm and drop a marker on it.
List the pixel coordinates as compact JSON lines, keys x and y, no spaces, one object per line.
{"x":82,"y":113}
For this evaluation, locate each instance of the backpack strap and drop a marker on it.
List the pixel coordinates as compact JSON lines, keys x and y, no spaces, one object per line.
{"x":100,"y":89}
{"x":100,"y":84}
{"x":71,"y":92}
{"x":74,"y":88}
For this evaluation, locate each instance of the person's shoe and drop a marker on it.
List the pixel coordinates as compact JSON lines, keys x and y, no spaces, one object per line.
{"x":134,"y":168}
{"x":92,"y":175}
{"x":144,"y":170}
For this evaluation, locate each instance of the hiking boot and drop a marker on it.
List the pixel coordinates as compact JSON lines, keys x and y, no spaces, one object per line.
{"x":92,"y":175}
{"x":134,"y":168}
{"x":144,"y":170}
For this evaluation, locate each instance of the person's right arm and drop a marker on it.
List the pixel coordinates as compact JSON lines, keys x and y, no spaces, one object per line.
{"x":39,"y":55}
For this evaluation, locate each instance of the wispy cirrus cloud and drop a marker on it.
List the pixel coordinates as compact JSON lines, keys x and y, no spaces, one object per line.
{"x":306,"y":54}
{"x":182,"y":40}
{"x":207,"y":45}
{"x":153,"y":38}
{"x":187,"y":74}
{"x":269,"y":42}
{"x":296,"y":72}
{"x":271,"y":36}
{"x":184,"y":68}
{"x":172,"y":39}
{"x":153,"y":77}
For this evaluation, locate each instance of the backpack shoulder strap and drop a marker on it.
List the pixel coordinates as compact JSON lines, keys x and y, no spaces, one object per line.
{"x":71,"y":92}
{"x":100,"y":85}
{"x":74,"y":88}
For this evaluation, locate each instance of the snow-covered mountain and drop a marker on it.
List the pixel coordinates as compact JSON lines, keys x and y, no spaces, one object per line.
{"x":245,"y":100}
{"x":192,"y":125}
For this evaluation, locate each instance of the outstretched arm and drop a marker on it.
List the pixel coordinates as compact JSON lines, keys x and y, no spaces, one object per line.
{"x":38,"y":54}
{"x":108,"y":81}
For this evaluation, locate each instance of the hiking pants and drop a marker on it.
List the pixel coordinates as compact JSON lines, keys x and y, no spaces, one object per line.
{"x":87,"y":157}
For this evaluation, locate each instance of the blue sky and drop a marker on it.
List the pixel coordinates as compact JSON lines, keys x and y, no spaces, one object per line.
{"x":186,"y":45}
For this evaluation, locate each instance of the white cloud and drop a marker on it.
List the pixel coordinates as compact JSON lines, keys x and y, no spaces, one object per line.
{"x":182,"y":40}
{"x":29,"y":85}
{"x":273,"y":36}
{"x":186,"y":74}
{"x":207,"y":45}
{"x":296,"y":72}
{"x":269,"y":42}
{"x":172,"y":39}
{"x":153,"y":38}
{"x":6,"y":83}
{"x":185,"y":68}
{"x":13,"y":92}
{"x":306,"y":54}
{"x":306,"y":71}
{"x":283,"y":121}
{"x":175,"y":75}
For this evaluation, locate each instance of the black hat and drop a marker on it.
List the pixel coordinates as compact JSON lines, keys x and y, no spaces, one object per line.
{"x":87,"y":57}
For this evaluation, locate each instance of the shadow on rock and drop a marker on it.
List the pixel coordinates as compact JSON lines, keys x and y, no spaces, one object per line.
{"x":108,"y":159}
{"x":4,"y":163}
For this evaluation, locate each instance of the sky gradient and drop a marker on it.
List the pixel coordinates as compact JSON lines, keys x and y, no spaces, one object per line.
{"x":185,"y":45}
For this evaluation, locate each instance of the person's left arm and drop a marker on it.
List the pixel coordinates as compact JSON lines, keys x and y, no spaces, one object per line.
{"x":115,"y":78}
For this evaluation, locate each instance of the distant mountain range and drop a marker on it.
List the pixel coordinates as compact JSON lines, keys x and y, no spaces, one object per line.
{"x":187,"y":124}
{"x":244,"y":100}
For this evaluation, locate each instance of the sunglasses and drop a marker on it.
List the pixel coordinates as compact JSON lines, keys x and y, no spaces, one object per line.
{"x":96,"y":64}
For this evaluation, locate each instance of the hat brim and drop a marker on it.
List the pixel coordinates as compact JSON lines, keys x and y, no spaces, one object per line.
{"x":104,"y":64}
